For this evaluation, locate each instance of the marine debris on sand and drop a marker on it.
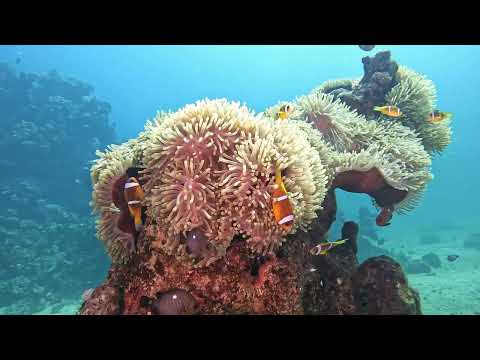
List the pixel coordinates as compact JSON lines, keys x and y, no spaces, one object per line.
{"x":212,"y":168}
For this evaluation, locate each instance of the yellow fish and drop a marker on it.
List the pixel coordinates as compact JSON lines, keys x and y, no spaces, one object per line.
{"x":284,"y":112}
{"x":388,"y":110}
{"x":438,"y":116}
{"x":323,"y":248}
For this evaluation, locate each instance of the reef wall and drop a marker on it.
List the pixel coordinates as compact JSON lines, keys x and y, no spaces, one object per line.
{"x":209,"y":241}
{"x":50,"y":128}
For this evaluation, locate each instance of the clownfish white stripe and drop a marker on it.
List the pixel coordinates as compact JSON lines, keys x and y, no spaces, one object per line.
{"x":286,"y":219}
{"x":133,"y":202}
{"x":280,"y":198}
{"x":129,"y":185}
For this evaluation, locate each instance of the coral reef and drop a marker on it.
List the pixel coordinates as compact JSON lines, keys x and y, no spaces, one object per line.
{"x":51,"y":124}
{"x":51,"y":127}
{"x":48,"y":253}
{"x":211,"y":243}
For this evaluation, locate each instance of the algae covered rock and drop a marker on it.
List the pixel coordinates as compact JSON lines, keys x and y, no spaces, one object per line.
{"x":381,"y":287}
{"x":417,"y":267}
{"x":432,"y":259}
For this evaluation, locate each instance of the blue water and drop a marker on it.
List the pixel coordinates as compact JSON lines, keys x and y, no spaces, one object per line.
{"x":139,"y":80}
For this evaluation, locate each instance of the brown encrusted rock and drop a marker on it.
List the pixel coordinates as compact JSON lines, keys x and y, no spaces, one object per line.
{"x":381,"y":287}
{"x":377,"y":81}
{"x":416,"y":266}
{"x":105,"y":300}
{"x":328,"y":287}
{"x":236,"y":284}
{"x":325,"y":218}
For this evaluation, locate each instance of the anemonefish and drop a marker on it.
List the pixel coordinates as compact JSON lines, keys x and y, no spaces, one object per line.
{"x":284,"y":112}
{"x":383,"y":219}
{"x":323,"y":248}
{"x":133,"y":194}
{"x":388,"y":110}
{"x":438,"y":116}
{"x":282,"y":208}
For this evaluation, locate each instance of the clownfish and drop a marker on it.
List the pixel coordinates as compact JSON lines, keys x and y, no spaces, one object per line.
{"x":323,"y":248}
{"x":437,"y":116}
{"x":383,"y":219}
{"x":388,"y":110}
{"x":133,"y":194}
{"x":282,"y":208}
{"x":284,"y":112}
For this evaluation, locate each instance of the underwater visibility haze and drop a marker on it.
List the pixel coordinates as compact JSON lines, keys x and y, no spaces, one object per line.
{"x":239,"y":179}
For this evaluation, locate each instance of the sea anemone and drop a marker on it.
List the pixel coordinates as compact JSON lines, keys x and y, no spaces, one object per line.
{"x":354,"y":143}
{"x":343,"y":128}
{"x":435,"y":137}
{"x":210,"y":167}
{"x":332,"y":85}
{"x":106,"y":171}
{"x":416,"y":95}
{"x":305,"y":175}
{"x":403,"y":164}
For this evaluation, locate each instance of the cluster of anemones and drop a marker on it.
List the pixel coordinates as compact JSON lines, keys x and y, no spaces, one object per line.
{"x":210,"y":172}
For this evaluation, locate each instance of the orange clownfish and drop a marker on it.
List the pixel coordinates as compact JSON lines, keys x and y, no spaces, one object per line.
{"x":438,"y":116}
{"x":388,"y":110}
{"x":133,"y":194}
{"x":282,"y":208}
{"x":284,"y":112}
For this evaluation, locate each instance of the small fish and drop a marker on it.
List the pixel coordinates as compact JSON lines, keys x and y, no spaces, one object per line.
{"x":284,"y":112}
{"x":323,"y":248}
{"x":77,"y":181}
{"x":18,"y":60}
{"x":383,"y":219}
{"x":174,"y":302}
{"x":436,"y":116}
{"x":133,"y":194}
{"x":452,"y":258}
{"x":388,"y":110}
{"x":282,"y":208}
{"x":197,"y":243}
{"x":366,"y":47}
